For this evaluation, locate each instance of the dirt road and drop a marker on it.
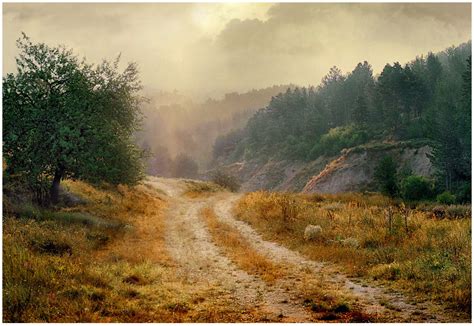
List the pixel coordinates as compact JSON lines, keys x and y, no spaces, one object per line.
{"x":203,"y":263}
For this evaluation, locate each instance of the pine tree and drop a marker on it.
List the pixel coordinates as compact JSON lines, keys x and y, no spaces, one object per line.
{"x":360,"y":114}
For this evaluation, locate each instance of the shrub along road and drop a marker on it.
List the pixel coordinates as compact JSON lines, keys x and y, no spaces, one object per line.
{"x":265,"y":280}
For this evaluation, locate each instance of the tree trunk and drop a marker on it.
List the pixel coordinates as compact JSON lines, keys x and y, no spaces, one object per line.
{"x":54,"y":191}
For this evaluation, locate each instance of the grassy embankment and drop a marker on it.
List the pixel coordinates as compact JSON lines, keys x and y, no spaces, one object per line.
{"x":84,"y":263}
{"x":101,"y":261}
{"x":407,"y":249}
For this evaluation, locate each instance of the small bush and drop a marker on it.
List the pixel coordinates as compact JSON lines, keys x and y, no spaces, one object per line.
{"x":199,"y":188}
{"x":416,"y":188}
{"x":458,"y":211}
{"x":319,"y":307}
{"x":52,"y":247}
{"x":226,"y":180}
{"x":446,"y":198}
{"x":439,"y":212}
{"x":329,"y":316}
{"x":184,"y":167}
{"x":289,"y":206}
{"x":342,"y":307}
{"x":337,"y":139}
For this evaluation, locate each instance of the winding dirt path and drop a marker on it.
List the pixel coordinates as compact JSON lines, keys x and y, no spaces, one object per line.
{"x":203,"y":263}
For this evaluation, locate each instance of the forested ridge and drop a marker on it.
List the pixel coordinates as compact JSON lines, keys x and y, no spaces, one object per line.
{"x":426,"y":101}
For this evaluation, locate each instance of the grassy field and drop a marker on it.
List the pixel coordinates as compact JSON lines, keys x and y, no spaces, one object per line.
{"x":102,"y":261}
{"x":105,"y":260}
{"x":68,"y":265}
{"x":408,"y":249}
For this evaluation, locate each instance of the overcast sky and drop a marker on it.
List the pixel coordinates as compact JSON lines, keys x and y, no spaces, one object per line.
{"x":215,"y":48}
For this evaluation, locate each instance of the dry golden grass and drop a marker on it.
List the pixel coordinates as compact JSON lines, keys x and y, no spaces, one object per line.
{"x":56,"y":271}
{"x":199,"y":189}
{"x":239,"y":250}
{"x":312,"y":287}
{"x":430,"y":258}
{"x":62,"y":270}
{"x":121,"y":203}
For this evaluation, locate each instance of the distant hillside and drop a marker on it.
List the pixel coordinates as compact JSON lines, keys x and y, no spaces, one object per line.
{"x":351,"y":170}
{"x":174,"y":123}
{"x":428,"y":100}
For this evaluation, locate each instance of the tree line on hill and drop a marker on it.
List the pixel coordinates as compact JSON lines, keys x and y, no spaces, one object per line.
{"x":427,"y":100}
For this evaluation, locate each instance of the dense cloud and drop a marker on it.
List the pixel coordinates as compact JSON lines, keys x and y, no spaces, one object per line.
{"x":214,"y":48}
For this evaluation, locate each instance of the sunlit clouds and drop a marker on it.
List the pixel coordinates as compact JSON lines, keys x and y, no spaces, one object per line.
{"x":209,"y":49}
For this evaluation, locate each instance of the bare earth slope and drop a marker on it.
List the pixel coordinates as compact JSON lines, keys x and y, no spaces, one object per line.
{"x":205,"y":264}
{"x":354,"y":170}
{"x":351,"y":170}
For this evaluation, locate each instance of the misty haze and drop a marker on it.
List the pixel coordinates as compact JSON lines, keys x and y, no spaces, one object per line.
{"x":237,"y":162}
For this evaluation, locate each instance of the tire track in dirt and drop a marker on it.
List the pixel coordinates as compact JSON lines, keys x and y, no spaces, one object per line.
{"x":202,"y":263}
{"x":394,"y":307}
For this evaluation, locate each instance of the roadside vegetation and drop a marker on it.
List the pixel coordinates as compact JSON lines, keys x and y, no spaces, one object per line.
{"x":225,"y":180}
{"x":239,"y":250}
{"x":76,"y":264}
{"x":196,"y":189}
{"x":103,"y":260}
{"x":321,"y":300}
{"x":423,"y":250}
{"x":219,"y":181}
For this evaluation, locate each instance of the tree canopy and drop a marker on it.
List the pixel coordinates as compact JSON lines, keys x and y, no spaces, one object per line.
{"x":427,"y":99}
{"x":66,"y":118}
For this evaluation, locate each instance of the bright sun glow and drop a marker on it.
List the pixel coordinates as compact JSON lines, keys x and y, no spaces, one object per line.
{"x":212,"y":18}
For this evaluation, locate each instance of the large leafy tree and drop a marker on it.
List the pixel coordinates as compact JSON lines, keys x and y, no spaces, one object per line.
{"x":65,"y":118}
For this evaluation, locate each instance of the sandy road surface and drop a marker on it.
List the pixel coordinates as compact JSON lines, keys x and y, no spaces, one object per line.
{"x":203,"y":263}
